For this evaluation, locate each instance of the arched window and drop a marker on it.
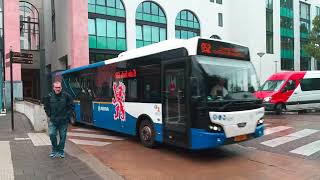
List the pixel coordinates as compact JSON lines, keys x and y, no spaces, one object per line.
{"x":187,"y":25}
{"x":29,"y":27}
{"x":151,"y":24}
{"x":107,"y":29}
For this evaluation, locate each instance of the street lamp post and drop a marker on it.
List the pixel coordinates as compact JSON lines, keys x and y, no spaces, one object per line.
{"x":260,"y":54}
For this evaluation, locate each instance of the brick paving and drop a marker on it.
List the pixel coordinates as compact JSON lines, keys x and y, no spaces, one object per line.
{"x":32,"y":162}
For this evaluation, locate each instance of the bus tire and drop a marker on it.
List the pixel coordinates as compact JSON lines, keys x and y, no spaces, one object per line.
{"x":147,"y":133}
{"x":279,"y":108}
{"x":73,"y":119}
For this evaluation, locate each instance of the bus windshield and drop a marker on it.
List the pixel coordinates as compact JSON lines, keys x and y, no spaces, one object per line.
{"x":272,"y":85}
{"x":228,"y":79}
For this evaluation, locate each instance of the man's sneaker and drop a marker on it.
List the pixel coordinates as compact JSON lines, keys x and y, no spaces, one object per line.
{"x":61,"y":154}
{"x":53,"y":154}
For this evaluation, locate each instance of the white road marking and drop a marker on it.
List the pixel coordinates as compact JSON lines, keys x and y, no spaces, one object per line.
{"x":21,"y":139}
{"x":275,"y":129}
{"x":6,"y":165}
{"x":288,"y":138}
{"x":83,"y":130}
{"x":39,"y":139}
{"x":89,"y":142}
{"x":98,"y":136}
{"x":308,"y":149}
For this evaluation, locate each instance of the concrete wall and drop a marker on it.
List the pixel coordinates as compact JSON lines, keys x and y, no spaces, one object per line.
{"x":34,"y":112}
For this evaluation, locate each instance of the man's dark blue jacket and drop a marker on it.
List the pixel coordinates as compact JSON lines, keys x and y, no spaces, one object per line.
{"x":59,"y":107}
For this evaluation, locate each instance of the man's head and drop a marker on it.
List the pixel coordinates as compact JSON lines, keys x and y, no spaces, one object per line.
{"x":221,"y":82}
{"x":57,"y":87}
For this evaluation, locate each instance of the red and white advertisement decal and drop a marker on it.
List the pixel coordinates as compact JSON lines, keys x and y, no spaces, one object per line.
{"x":118,"y":100}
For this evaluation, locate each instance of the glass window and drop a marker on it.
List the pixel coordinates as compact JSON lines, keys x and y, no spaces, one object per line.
{"x":112,"y":28}
{"x":139,"y":32}
{"x":92,"y":26}
{"x":304,"y":11}
{"x":269,"y":4}
{"x":150,"y":13}
{"x":121,"y":30}
{"x":220,"y":19}
{"x":219,"y":1}
{"x":106,"y":30}
{"x":290,"y":85}
{"x":187,"y":25}
{"x":269,"y":43}
{"x":286,"y":4}
{"x":317,"y":11}
{"x":272,"y":85}
{"x":101,"y":2}
{"x":310,"y":84}
{"x":29,"y":27}
{"x":269,"y":22}
{"x":151,"y":86}
{"x":147,"y":33}
{"x":101,"y":27}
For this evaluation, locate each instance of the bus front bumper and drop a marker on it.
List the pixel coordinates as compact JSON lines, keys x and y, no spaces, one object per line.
{"x":201,"y":139}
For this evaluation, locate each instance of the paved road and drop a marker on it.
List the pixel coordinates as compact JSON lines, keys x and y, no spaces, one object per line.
{"x":267,"y":157}
{"x":292,"y":135}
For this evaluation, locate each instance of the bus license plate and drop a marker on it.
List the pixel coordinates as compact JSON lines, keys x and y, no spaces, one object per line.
{"x":240,"y":138}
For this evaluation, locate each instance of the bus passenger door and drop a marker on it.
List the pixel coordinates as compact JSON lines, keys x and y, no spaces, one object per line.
{"x":175,"y":127}
{"x":86,"y":102}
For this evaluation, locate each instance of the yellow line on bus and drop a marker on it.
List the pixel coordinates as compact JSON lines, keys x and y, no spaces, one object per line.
{"x":97,"y":102}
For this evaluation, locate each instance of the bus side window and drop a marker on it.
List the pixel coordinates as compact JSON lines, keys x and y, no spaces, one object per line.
{"x":150,"y":83}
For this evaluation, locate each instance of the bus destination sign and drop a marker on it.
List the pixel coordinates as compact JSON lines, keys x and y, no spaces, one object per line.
{"x":222,"y":49}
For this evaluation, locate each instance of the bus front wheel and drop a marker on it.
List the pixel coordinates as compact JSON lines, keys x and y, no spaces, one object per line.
{"x":147,"y":133}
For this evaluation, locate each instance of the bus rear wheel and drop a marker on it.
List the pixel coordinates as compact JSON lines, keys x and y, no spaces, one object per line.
{"x":147,"y":133}
{"x":280,"y":108}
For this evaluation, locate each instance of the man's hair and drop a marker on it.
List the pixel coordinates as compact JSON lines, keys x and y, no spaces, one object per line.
{"x":55,"y":82}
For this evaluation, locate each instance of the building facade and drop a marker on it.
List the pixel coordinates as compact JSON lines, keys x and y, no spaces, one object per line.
{"x":20,"y":28}
{"x":78,"y":32}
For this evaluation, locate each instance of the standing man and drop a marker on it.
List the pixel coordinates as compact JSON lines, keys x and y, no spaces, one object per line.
{"x":59,"y":107}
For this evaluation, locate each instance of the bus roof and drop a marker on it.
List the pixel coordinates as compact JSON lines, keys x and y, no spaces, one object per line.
{"x":191,"y":45}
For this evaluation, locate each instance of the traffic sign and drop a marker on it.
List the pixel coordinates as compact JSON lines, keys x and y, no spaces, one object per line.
{"x":22,"y":60}
{"x":22,"y":55}
{"x":18,"y":57}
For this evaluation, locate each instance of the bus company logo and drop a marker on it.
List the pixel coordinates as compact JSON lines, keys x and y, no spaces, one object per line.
{"x":118,"y":101}
{"x":103,"y":108}
{"x":219,"y":117}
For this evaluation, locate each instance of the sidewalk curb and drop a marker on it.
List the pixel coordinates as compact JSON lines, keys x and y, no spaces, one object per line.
{"x":102,"y":170}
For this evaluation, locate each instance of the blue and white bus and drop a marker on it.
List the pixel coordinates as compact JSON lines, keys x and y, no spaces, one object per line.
{"x":163,"y":93}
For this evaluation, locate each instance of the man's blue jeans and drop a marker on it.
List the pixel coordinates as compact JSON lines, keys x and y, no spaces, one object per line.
{"x":62,"y":128}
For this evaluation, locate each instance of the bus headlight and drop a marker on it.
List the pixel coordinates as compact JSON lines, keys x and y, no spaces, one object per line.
{"x":267,"y":99}
{"x":215,"y":127}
